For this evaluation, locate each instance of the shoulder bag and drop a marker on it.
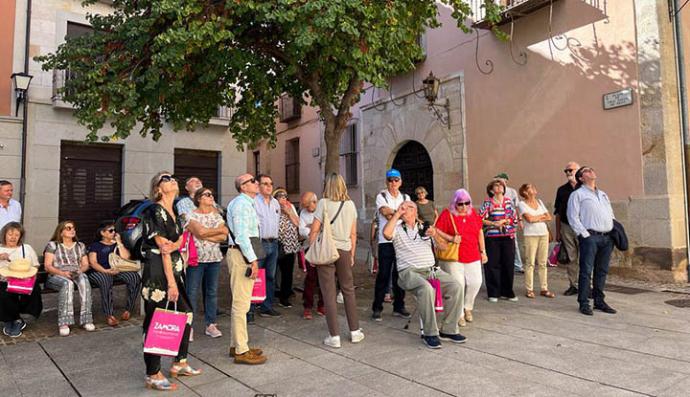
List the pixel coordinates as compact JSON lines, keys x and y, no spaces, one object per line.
{"x":121,"y":264}
{"x":450,"y":254}
{"x":322,"y":251}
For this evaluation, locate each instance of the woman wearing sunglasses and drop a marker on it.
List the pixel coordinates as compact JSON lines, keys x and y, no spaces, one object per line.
{"x":102,"y":275}
{"x":459,"y":223}
{"x":163,"y":277}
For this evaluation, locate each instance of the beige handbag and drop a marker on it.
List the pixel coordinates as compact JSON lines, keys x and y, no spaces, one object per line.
{"x":322,"y":251}
{"x":121,"y":264}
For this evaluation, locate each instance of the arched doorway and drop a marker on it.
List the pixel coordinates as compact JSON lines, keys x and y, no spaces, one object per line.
{"x":414,"y":163}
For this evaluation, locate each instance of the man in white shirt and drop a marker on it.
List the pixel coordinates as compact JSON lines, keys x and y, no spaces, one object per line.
{"x":416,"y":265}
{"x":311,"y":280}
{"x":387,"y":202}
{"x":10,"y":209}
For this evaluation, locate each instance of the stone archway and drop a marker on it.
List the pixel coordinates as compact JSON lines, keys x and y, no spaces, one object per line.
{"x":414,"y":163}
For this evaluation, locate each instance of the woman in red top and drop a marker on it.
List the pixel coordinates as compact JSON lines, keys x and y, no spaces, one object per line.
{"x":461,"y":224}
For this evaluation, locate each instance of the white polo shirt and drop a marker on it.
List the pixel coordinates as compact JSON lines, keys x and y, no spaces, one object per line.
{"x":11,"y":213}
{"x":385,"y":199}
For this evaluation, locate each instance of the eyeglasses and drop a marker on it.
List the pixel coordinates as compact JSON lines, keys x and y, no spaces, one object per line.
{"x":463,"y":203}
{"x":207,"y":194}
{"x":569,"y":170}
{"x":69,"y":228}
{"x":267,"y":183}
{"x":111,"y":230}
{"x":393,"y":179}
{"x":252,"y":180}
{"x":166,"y":178}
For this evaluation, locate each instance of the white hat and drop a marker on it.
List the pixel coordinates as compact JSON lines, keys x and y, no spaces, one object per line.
{"x":19,"y":268}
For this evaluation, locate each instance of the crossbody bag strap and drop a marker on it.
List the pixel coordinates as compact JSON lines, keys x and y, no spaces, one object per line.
{"x":23,"y":252}
{"x":337,"y":213}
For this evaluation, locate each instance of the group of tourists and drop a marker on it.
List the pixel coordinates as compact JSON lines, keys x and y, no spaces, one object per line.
{"x":442,"y":259}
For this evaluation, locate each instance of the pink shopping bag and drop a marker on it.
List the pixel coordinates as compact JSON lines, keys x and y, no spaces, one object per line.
{"x":438,"y":305}
{"x":188,"y":249}
{"x":21,"y":285}
{"x":259,"y":291}
{"x":165,"y":332}
{"x":553,"y":256}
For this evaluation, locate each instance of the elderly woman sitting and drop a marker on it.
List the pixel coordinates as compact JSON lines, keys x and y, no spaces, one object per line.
{"x":17,"y":261}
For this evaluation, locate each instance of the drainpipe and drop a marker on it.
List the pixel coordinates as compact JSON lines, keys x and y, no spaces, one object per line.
{"x":683,"y":103}
{"x":25,"y":112}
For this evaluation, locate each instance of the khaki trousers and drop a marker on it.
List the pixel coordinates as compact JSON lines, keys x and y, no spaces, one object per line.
{"x":342,"y":269}
{"x":241,"y":287}
{"x":415,"y":281}
{"x":536,"y":254}
{"x":572,"y":246}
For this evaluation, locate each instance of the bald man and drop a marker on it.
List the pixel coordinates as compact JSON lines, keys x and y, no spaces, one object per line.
{"x":306,"y":218}
{"x":564,"y":233}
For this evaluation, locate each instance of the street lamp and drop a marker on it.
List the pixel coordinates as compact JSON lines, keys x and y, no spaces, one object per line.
{"x":431,"y":87}
{"x":21,"y":85}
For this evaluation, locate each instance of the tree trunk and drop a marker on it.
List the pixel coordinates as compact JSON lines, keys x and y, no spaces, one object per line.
{"x":332,"y":137}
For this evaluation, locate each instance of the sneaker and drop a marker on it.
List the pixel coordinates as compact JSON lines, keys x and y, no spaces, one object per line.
{"x":12,"y":329}
{"x":212,"y":331}
{"x":89,"y":327}
{"x":432,"y":342}
{"x":307,"y":314}
{"x":513,"y":299}
{"x":191,"y":335}
{"x":455,"y":338}
{"x":20,"y":324}
{"x":493,"y":300}
{"x":250,"y":358}
{"x":402,"y":313}
{"x":339,"y":297}
{"x":357,"y":336}
{"x":376,"y":316}
{"x":332,"y":341}
{"x":64,"y":330}
{"x":285,"y":304}
{"x":269,"y":313}
{"x":321,"y":311}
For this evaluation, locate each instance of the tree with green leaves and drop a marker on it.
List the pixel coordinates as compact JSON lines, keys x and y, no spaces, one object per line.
{"x":152,"y":62}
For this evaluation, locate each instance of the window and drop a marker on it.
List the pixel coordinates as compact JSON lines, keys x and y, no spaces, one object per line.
{"x":288,"y":108}
{"x":292,"y":165}
{"x":348,"y":155}
{"x":257,"y":162}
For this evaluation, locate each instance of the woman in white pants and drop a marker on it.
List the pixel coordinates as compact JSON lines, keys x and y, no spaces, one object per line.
{"x":459,"y":223}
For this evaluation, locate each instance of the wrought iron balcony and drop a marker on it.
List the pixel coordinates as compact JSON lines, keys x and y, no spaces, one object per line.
{"x":516,"y":9}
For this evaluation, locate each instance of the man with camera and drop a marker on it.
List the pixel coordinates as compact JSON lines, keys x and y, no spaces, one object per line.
{"x":243,"y":266}
{"x":416,"y":266}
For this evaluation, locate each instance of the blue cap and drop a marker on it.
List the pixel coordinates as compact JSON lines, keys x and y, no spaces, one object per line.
{"x":393,"y":173}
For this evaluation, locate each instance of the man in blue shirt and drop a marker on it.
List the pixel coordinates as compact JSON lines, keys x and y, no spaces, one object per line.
{"x":268,"y":212}
{"x":241,"y":219}
{"x":591,"y":217}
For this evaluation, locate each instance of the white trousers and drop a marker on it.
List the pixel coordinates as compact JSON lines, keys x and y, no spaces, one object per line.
{"x":469,"y":276}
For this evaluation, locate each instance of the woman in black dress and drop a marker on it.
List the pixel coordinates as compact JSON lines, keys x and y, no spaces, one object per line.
{"x":163,"y":278}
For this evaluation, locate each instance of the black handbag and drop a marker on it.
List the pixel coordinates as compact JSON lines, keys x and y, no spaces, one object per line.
{"x":257,"y":247}
{"x":563,"y":257}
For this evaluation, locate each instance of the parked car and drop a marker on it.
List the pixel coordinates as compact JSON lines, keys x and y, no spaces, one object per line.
{"x":129,"y":226}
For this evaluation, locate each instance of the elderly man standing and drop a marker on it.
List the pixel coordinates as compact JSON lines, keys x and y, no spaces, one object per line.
{"x":10,"y":209}
{"x":268,"y":211}
{"x":311,"y":280}
{"x":591,"y":216}
{"x":185,"y":206}
{"x":243,"y":267}
{"x":416,"y":265}
{"x":564,"y":233}
{"x":387,"y":202}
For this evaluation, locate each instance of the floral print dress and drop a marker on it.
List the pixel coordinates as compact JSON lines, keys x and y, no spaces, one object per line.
{"x":158,"y":222}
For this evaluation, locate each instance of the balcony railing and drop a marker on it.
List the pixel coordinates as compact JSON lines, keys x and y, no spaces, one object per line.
{"x":515,"y":9}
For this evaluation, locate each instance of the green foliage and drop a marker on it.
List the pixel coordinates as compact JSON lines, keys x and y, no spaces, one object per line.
{"x":168,"y":61}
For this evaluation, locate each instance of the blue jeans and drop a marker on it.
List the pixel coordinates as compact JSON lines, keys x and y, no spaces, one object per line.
{"x":209,"y":272}
{"x":595,"y":254}
{"x":269,"y":263}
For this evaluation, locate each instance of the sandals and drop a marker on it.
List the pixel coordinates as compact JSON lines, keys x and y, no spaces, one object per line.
{"x":530,"y":294}
{"x":183,"y":369}
{"x":162,"y":384}
{"x":547,"y":294}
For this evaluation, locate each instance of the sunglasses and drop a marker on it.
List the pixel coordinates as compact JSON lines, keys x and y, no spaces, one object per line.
{"x":461,"y":203}
{"x":111,"y":230}
{"x":70,"y":228}
{"x":252,"y":180}
{"x":166,"y":178}
{"x":207,"y":194}
{"x":393,"y":179}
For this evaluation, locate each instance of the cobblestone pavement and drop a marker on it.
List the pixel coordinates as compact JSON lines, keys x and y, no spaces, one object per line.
{"x":531,"y":347}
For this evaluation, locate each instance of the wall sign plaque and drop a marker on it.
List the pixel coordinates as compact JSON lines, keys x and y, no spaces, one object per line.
{"x":618,"y":99}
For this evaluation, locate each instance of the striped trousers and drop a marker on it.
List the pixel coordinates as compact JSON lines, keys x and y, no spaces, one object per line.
{"x":105,"y":284}
{"x":65,"y":287}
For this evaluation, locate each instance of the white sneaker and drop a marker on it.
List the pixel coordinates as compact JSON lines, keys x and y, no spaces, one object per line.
{"x":339,"y":297}
{"x":90,"y":327}
{"x":513,"y":299}
{"x":64,"y":330}
{"x":213,"y":331}
{"x":332,"y":341}
{"x":357,"y":336}
{"x":493,"y":300}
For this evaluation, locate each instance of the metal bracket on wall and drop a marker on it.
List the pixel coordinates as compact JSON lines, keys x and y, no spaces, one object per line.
{"x":569,"y":41}
{"x":488,"y":62}
{"x":522,"y":55}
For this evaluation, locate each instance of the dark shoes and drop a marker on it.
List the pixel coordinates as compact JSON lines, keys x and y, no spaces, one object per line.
{"x":432,"y":342}
{"x":605,"y":308}
{"x":250,"y":317}
{"x":376,"y":316}
{"x":14,"y":328}
{"x":285,"y":304}
{"x":586,"y":310}
{"x":571,"y":291}
{"x":455,"y":338}
{"x":269,"y":313}
{"x":402,"y":313}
